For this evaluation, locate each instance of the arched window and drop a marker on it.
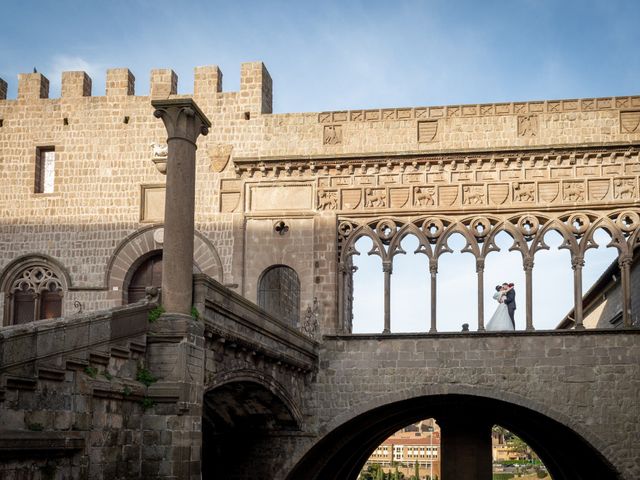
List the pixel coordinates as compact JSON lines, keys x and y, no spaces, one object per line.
{"x":35,"y":293}
{"x":279,"y":293}
{"x":148,"y":274}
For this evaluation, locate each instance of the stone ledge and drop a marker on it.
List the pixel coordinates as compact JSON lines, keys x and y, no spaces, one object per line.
{"x":14,"y":442}
{"x":517,"y":333}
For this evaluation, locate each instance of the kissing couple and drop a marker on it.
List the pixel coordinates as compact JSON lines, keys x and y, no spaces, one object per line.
{"x":503,"y":317}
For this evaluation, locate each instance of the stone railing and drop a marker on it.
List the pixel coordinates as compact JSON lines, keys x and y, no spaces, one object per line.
{"x":232,"y":319}
{"x":61,"y":340}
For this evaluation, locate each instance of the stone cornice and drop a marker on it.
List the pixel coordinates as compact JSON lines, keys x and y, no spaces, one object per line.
{"x":482,"y":110}
{"x":433,"y":156}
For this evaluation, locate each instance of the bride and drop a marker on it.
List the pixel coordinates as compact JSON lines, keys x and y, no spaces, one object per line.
{"x":500,"y":319}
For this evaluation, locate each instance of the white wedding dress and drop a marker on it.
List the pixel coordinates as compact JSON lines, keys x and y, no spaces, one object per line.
{"x":500,"y":320}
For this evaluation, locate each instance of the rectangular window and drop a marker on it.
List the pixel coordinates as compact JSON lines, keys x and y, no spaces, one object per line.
{"x":45,"y":169}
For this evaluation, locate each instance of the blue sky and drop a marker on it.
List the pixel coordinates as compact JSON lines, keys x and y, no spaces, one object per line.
{"x":340,"y":54}
{"x":335,"y":55}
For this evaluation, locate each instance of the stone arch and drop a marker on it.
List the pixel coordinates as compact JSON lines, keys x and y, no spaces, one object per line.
{"x":23,"y":263}
{"x":138,"y":246}
{"x":344,"y":444}
{"x":241,"y":411}
{"x":260,"y":378}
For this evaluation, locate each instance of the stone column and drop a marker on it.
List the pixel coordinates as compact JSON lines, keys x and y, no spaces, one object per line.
{"x":528,"y":272}
{"x":387,"y":268}
{"x":624,"y":262}
{"x":433,"y":271}
{"x":480,"y":272}
{"x":184,"y":123}
{"x":465,"y":448}
{"x":175,"y":342}
{"x":577,"y":262}
{"x":340,"y":327}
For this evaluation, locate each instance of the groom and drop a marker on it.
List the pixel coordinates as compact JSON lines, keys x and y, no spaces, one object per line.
{"x":510,"y":301}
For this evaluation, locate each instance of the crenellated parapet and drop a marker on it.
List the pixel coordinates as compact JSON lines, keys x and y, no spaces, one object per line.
{"x":255,"y":95}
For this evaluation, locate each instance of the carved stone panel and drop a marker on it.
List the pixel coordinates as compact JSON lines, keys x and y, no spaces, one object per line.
{"x":598,"y":189}
{"x":332,"y":135}
{"x":398,"y":197}
{"x":473,"y":195}
{"x":630,"y":121}
{"x":152,"y":203}
{"x":548,"y":192}
{"x":229,"y":201}
{"x":427,"y":130}
{"x":424,"y":196}
{"x":375,"y":198}
{"x":327,"y":200}
{"x":573,"y":192}
{"x":280,"y":197}
{"x":498,"y":193}
{"x":624,"y":189}
{"x":351,"y":198}
{"x":219,"y":155}
{"x":524,"y":192}
{"x":527,"y":125}
{"x":447,"y":195}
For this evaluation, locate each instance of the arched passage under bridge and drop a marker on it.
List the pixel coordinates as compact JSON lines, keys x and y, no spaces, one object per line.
{"x":466,"y":422}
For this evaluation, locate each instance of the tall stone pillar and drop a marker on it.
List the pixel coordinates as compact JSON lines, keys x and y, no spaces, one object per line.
{"x":175,"y":344}
{"x":466,"y":448}
{"x":184,"y":123}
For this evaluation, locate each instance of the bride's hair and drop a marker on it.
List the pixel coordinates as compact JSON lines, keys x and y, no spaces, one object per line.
{"x":498,"y":288}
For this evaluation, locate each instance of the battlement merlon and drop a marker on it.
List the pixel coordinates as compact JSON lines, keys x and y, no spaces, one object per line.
{"x":32,"y":85}
{"x":256,"y":87}
{"x":75,"y":85}
{"x":120,"y":82}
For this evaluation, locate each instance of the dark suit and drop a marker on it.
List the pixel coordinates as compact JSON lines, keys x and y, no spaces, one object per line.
{"x":510,"y":301}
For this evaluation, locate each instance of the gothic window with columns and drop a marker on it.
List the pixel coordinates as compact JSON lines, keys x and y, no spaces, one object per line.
{"x":35,"y":293}
{"x":279,"y":293}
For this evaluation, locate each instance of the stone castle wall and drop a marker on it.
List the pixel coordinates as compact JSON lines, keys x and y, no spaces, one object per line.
{"x":104,"y":170}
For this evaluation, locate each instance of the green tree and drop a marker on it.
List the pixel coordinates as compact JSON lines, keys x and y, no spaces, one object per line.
{"x":416,"y":471}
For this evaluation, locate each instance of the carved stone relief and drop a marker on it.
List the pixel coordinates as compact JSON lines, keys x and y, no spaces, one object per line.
{"x":332,"y":135}
{"x":624,"y":188}
{"x":427,"y":130}
{"x":527,"y":125}
{"x":327,"y":200}
{"x":444,"y":181}
{"x":630,"y":121}
{"x":375,"y":198}
{"x":524,"y":192}
{"x":219,"y":155}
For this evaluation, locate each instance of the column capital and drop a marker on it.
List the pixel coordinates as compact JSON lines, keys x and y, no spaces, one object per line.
{"x":625,"y":260}
{"x":182,"y":118}
{"x":577,"y":261}
{"x":528,"y":263}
